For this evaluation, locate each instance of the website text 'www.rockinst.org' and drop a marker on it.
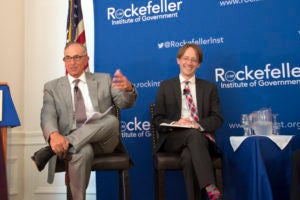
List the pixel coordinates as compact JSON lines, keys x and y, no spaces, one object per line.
{"x":236,"y":2}
{"x":282,"y":124}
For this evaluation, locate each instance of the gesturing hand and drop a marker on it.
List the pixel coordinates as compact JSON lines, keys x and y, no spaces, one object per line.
{"x":120,"y":82}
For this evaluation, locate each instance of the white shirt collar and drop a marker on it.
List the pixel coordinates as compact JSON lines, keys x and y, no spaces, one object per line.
{"x":191,"y":80}
{"x":81,"y":78}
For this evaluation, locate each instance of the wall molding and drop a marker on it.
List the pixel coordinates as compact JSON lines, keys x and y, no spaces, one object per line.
{"x":12,"y":163}
{"x":25,"y":138}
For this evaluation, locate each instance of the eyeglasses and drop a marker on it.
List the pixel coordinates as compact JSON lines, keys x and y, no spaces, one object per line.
{"x":76,"y":58}
{"x":193,"y":60}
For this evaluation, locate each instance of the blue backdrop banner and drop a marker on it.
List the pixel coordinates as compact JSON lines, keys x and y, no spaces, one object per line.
{"x":251,"y":52}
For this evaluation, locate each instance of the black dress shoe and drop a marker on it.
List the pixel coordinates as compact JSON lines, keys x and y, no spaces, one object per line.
{"x":42,"y":156}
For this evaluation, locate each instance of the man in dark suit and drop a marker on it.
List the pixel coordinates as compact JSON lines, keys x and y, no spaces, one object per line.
{"x":59,"y":122}
{"x":174,"y":106}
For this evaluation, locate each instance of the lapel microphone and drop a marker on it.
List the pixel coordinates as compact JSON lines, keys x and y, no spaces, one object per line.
{"x":186,"y":91}
{"x":76,"y":88}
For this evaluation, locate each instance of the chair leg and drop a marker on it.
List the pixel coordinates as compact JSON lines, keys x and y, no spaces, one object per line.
{"x":156,"y":186}
{"x":159,"y":184}
{"x":124,"y":185}
{"x":217,"y":164}
{"x":219,"y":180}
{"x":69,"y":194}
{"x":67,"y":181}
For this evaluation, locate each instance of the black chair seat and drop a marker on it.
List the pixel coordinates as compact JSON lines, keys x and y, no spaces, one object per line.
{"x":164,"y":160}
{"x":111,"y":161}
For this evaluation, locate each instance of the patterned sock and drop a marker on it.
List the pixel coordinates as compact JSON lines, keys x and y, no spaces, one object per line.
{"x":212,"y":191}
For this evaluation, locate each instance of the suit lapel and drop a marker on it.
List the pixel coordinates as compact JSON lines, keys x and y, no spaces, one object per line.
{"x":199,"y":94}
{"x":93,"y":88}
{"x":178,"y":93}
{"x":66,"y":91}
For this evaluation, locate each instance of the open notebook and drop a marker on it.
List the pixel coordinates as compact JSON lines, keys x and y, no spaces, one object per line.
{"x":179,"y":126}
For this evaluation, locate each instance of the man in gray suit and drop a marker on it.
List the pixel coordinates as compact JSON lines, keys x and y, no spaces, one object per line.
{"x":98,"y":135}
{"x":190,"y":101}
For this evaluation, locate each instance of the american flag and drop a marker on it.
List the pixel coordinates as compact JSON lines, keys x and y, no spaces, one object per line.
{"x":75,"y":25}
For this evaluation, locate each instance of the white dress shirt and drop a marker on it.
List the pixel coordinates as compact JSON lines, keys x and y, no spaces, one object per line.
{"x":85,"y":94}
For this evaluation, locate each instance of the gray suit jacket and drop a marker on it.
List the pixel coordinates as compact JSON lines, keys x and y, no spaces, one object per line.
{"x":57,"y":111}
{"x":168,"y":106}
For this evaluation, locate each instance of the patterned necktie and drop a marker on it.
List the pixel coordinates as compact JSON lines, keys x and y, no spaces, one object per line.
{"x":191,"y":104}
{"x":192,"y":107}
{"x":80,"y":113}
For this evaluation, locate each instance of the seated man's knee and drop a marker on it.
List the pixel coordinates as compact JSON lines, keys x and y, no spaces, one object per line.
{"x":111,"y":122}
{"x":85,"y":153}
{"x":196,"y":138}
